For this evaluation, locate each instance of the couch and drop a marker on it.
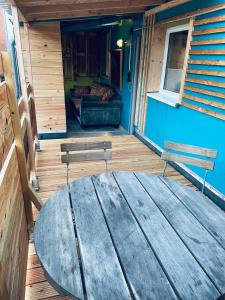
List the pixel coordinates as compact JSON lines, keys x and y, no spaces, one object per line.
{"x":96,"y":105}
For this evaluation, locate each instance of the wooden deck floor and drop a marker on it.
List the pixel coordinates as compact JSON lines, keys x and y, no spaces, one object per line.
{"x":128,"y":154}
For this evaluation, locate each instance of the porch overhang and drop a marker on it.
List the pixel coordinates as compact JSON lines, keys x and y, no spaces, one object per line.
{"x":40,"y":10}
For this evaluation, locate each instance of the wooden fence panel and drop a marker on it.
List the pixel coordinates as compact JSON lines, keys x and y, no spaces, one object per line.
{"x":6,"y":130}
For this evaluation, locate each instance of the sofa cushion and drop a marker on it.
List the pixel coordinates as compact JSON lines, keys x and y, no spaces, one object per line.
{"x":80,"y":90}
{"x":108,"y":94}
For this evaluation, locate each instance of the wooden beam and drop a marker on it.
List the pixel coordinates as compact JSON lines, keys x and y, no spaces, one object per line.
{"x":87,"y":13}
{"x":194,"y":13}
{"x":14,"y":110}
{"x":62,"y":8}
{"x":165,"y":6}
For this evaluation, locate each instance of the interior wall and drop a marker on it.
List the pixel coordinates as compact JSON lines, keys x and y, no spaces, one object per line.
{"x":185,"y":125}
{"x":47,"y":75}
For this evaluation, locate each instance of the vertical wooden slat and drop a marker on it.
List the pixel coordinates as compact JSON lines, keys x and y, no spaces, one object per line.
{"x":189,"y":39}
{"x":138,"y":102}
{"x":24,"y":90}
{"x":28,"y":192}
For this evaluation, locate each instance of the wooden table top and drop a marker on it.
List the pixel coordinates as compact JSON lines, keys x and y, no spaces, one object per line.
{"x":128,"y":235}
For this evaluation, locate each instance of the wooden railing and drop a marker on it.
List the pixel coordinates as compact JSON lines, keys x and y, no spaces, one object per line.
{"x":16,"y":193}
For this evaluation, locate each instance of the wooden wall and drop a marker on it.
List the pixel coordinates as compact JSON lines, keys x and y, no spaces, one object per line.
{"x":16,"y":193}
{"x":45,"y":55}
{"x":13,"y":224}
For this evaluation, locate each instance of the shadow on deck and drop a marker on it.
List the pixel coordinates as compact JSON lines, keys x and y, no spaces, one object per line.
{"x":128,"y":154}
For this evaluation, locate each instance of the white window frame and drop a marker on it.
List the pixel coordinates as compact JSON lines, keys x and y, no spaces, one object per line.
{"x":184,"y":27}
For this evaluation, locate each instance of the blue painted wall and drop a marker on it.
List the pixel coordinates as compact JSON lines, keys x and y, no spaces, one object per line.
{"x":124,"y":32}
{"x":184,"y":125}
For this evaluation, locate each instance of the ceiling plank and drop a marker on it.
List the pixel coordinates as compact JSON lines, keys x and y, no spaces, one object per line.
{"x":165,"y":6}
{"x":86,"y":13}
{"x":31,"y":3}
{"x":63,"y":8}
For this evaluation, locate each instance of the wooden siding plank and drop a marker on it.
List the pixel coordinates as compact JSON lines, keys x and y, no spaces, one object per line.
{"x":208,"y":42}
{"x":204,"y":101}
{"x":206,"y":72}
{"x":203,"y":110}
{"x":203,"y":91}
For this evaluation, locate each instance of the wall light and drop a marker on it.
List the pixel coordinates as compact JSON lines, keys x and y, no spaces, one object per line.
{"x":120,"y":43}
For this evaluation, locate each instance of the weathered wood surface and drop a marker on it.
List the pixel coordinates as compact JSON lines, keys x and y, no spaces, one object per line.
{"x":93,"y":155}
{"x":102,"y":272}
{"x":186,"y":275}
{"x":206,"y":164}
{"x":136,"y":238}
{"x":143,"y":271}
{"x":197,"y":239}
{"x":191,"y":149}
{"x":85,"y":146}
{"x":56,"y":244}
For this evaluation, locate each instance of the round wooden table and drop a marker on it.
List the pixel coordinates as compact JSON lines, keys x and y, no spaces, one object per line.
{"x":128,"y":235}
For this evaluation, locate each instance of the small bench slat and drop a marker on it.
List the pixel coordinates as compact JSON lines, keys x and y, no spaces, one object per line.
{"x":85,"y":146}
{"x":211,"y":153}
{"x":206,"y":164}
{"x":186,"y":275}
{"x":207,"y":251}
{"x":55,"y":244}
{"x":103,"y":275}
{"x":144,"y":273}
{"x":84,"y":156}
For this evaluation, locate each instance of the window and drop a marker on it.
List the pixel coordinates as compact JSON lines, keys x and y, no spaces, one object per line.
{"x":175,"y":48}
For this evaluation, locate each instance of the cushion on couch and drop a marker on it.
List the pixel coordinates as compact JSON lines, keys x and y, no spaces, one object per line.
{"x":79,"y":91}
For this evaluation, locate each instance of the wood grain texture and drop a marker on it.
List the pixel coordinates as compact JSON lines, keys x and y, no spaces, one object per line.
{"x":56,"y":245}
{"x":208,"y":165}
{"x":207,"y":251}
{"x":102,"y":272}
{"x":143,"y":272}
{"x":85,"y":146}
{"x":212,"y":153}
{"x":207,"y":213}
{"x":128,"y":154}
{"x":91,"y":155}
{"x":47,"y":74}
{"x":186,"y":275}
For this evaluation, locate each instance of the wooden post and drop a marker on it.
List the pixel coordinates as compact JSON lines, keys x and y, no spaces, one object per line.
{"x":28,"y":192}
{"x":24,"y":90}
{"x":4,"y":294}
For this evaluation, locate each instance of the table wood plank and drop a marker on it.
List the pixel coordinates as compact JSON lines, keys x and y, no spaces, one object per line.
{"x":56,"y":245}
{"x":207,"y":212}
{"x":199,"y":241}
{"x":101,"y":268}
{"x":186,"y":275}
{"x":143,"y":272}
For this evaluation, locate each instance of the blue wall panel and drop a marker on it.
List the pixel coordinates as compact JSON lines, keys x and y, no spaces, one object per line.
{"x":183,"y":125}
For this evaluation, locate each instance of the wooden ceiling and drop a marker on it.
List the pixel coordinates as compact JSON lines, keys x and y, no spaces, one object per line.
{"x":35,"y":10}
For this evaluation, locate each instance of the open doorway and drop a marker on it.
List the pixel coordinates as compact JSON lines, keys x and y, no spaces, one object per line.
{"x":93,"y":74}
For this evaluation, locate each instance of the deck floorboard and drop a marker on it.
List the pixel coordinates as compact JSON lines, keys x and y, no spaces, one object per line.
{"x":129,"y":154}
